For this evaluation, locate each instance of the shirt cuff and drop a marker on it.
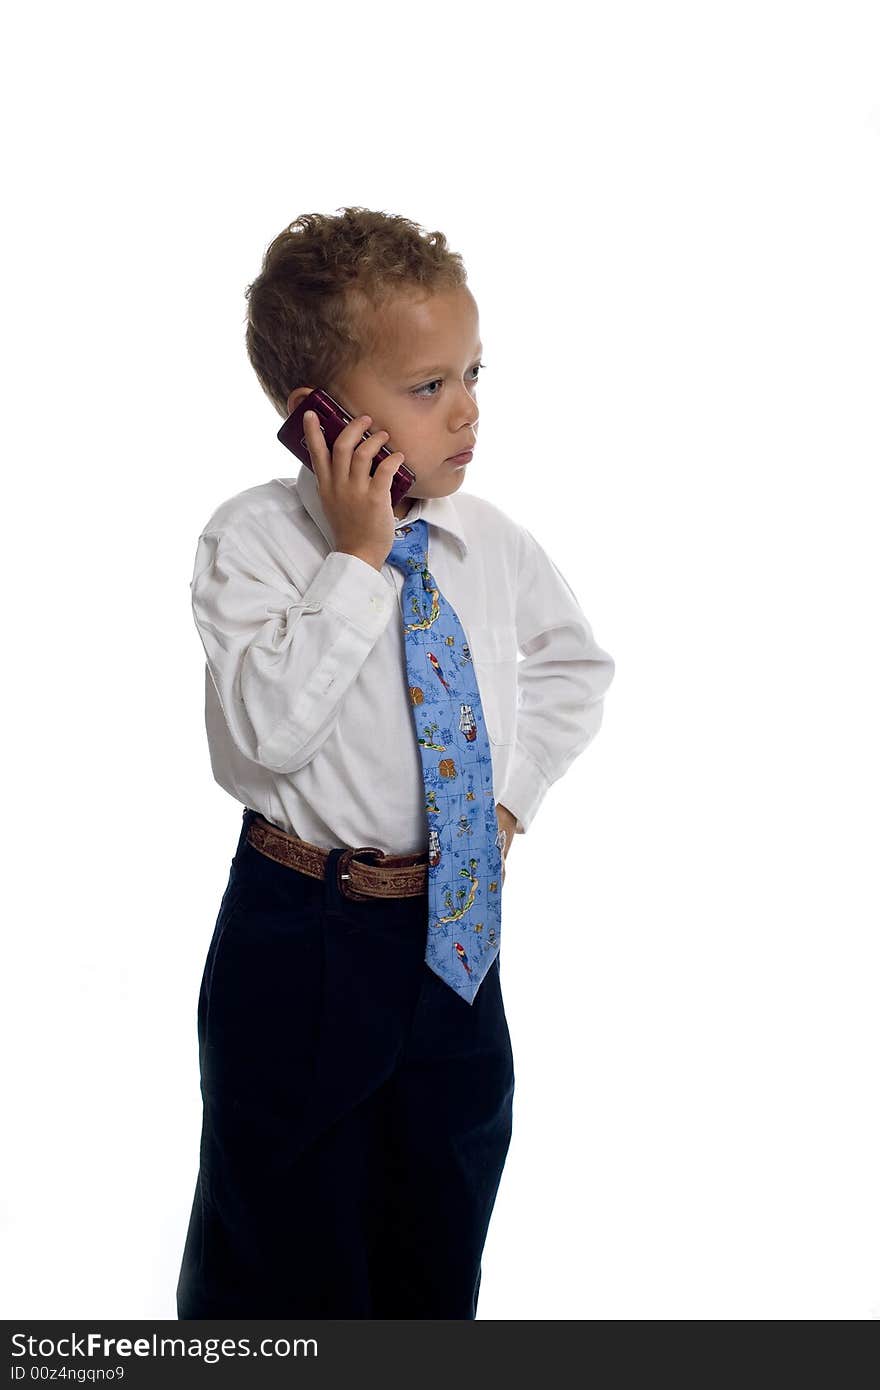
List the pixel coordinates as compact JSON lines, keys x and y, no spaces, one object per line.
{"x":525,"y":789}
{"x":354,"y":589}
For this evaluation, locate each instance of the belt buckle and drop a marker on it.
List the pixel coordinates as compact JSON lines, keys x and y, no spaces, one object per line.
{"x":343,"y":877}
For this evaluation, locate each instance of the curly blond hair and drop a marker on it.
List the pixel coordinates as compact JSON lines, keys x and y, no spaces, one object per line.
{"x":311,"y":310}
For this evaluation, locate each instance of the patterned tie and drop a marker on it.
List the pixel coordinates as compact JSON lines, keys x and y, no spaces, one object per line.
{"x":464,"y":858}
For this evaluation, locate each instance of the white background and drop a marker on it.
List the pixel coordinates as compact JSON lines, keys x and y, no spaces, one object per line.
{"x":670,"y":217}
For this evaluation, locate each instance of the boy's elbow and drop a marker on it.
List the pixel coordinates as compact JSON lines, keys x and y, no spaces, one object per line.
{"x":600,"y":673}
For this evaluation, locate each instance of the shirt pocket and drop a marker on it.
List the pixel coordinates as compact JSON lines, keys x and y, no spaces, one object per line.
{"x":493,"y":648}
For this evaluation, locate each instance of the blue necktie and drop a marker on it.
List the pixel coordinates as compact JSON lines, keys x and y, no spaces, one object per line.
{"x":464,"y":859}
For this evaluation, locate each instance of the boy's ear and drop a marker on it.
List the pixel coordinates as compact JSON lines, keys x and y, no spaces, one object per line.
{"x":298,"y":394}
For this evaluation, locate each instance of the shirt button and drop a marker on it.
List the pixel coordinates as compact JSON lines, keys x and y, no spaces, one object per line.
{"x":377,"y":602}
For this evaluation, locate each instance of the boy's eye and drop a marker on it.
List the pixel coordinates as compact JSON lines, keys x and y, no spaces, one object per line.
{"x":477,"y":367}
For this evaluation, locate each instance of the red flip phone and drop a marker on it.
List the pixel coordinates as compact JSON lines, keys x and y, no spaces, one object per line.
{"x":333,"y":419}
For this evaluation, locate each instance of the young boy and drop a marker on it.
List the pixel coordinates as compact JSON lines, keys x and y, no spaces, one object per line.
{"x":365,"y":704}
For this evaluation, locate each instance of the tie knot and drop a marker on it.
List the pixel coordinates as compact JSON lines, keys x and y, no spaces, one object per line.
{"x":410,"y":545}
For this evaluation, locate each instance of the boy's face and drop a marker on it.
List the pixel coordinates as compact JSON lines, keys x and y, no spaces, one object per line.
{"x":420,"y":386}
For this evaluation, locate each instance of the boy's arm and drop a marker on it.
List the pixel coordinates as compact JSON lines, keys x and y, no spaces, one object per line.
{"x":281,"y":661}
{"x":561,"y":681}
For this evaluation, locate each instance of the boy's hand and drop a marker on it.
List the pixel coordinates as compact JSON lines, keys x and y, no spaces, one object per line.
{"x":506,"y":821}
{"x":358,"y":507}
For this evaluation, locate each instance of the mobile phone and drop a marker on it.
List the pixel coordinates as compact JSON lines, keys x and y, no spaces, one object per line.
{"x":333,"y":419}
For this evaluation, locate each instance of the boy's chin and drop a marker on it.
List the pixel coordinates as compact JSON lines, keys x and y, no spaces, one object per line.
{"x":444,"y":481}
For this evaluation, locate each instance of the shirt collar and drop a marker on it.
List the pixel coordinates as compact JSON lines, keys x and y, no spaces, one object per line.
{"x":437,"y":511}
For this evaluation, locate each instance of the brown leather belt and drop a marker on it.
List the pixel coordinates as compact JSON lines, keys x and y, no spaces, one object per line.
{"x":389,"y":876}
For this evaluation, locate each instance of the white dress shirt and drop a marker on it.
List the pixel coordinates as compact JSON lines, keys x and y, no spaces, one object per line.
{"x":307,"y":702}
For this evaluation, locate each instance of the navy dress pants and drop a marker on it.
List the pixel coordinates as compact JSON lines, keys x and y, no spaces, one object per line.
{"x":356,"y":1114}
